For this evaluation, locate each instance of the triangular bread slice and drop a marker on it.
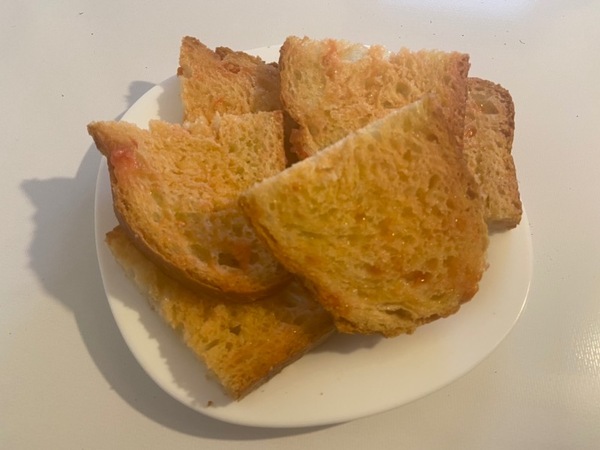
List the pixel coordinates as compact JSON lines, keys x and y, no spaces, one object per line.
{"x":242,"y":344}
{"x":332,"y":87}
{"x":224,"y":81}
{"x":175,"y":191}
{"x":488,"y":139}
{"x":385,"y":226}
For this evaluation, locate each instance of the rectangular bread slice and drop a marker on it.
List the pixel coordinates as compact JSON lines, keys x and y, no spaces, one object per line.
{"x":242,"y":344}
{"x":386,"y":225}
{"x":489,"y":133}
{"x":175,"y":191}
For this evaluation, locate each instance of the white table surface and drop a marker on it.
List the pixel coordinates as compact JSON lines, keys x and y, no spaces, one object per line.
{"x":68,"y":379}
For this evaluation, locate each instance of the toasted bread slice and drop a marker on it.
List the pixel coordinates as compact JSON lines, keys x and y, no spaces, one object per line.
{"x":489,"y":133}
{"x":386,"y":225}
{"x":242,"y":344}
{"x":332,"y":87}
{"x":175,"y":191}
{"x":224,"y":82}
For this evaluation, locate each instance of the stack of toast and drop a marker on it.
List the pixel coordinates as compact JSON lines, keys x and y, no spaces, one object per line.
{"x":401,"y":168}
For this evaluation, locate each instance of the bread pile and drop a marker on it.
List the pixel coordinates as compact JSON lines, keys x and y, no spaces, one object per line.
{"x":379,"y":222}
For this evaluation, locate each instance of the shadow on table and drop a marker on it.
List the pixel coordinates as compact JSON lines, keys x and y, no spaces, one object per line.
{"x":63,"y":255}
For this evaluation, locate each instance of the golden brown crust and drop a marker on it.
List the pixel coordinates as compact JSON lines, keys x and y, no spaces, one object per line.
{"x":385,"y":226}
{"x":242,"y":344}
{"x":489,"y":133}
{"x":175,"y":191}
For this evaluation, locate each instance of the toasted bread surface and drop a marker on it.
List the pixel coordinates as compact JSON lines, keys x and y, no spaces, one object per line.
{"x":332,"y":87}
{"x":175,"y":191}
{"x":242,"y":344}
{"x":489,"y":133}
{"x":385,"y":226}
{"x":224,"y":81}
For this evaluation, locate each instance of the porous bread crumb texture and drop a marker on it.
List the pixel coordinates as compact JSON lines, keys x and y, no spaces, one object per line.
{"x":332,"y":87}
{"x":385,"y":226}
{"x":224,"y":81}
{"x":489,"y":133}
{"x":175,"y":190}
{"x":242,"y":345}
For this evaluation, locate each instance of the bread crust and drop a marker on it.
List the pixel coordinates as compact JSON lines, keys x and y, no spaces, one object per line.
{"x":489,"y":134}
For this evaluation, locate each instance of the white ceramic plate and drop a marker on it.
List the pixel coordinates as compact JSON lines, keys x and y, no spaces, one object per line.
{"x":347,"y":377}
